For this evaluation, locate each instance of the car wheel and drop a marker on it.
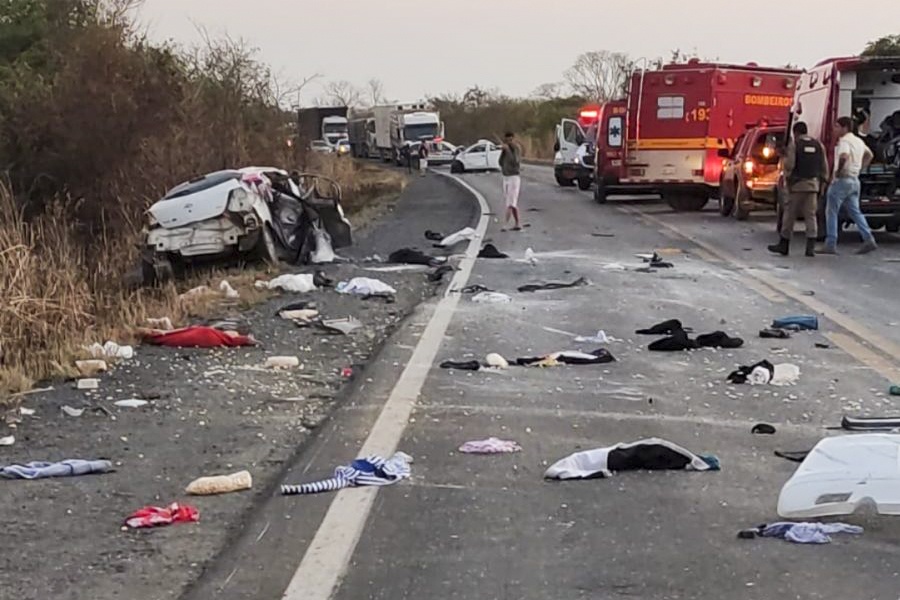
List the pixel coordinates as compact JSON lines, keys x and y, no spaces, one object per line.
{"x":563,"y":182}
{"x":600,"y":192}
{"x":726,"y":205}
{"x":584,"y":183}
{"x":457,"y":167}
{"x":741,"y":210}
{"x":892,"y":227}
{"x":686,"y":202}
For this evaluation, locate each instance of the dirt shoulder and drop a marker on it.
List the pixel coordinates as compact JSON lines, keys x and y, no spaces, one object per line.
{"x":210,"y":412}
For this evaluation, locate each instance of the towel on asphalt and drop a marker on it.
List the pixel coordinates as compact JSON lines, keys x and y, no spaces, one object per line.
{"x":650,"y":454}
{"x":491,"y":445}
{"x":373,"y":470}
{"x":802,"y":533}
{"x":65,"y":468}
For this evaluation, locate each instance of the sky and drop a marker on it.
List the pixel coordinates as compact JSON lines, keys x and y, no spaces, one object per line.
{"x":422,"y":48}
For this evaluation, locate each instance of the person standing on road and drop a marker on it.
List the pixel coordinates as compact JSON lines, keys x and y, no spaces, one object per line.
{"x":510,"y":167}
{"x":406,"y":155}
{"x":851,"y":157}
{"x":423,"y":158}
{"x":805,"y":176}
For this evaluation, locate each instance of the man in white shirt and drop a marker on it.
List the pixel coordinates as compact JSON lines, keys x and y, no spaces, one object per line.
{"x":851,"y":157}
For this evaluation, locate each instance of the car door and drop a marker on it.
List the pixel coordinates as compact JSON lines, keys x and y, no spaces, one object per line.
{"x":492,"y":157}
{"x":570,"y":136}
{"x":475,"y":157}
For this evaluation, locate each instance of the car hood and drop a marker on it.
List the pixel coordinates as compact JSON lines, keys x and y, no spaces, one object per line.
{"x":200,"y":206}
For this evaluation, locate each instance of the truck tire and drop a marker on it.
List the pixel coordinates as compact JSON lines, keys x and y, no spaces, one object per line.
{"x":686,"y":202}
{"x":563,"y":182}
{"x":600,"y":192}
{"x":584,"y":183}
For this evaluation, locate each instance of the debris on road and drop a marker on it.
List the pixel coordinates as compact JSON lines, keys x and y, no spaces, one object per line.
{"x":198,"y":336}
{"x":801,"y":533}
{"x":599,"y":338}
{"x":88,"y":384}
{"x":843,"y":473}
{"x":718,"y":339}
{"x":72,"y":412}
{"x":370,"y":471}
{"x":65,"y":468}
{"x":412,"y":256}
{"x":300,"y":283}
{"x":220,"y":484}
{"x":110,"y":350}
{"x":155,"y":516}
{"x":797,"y":323}
{"x":765,"y":373}
{"x":27,"y":412}
{"x":433,"y":236}
{"x":763,"y":429}
{"x":491,"y":298}
{"x":530,"y":258}
{"x":8,"y":440}
{"x":655,"y":261}
{"x":91,"y":368}
{"x":894,"y":390}
{"x":568,"y":357}
{"x":282,"y":362}
{"x":496,"y":361}
{"x":774,"y":334}
{"x":475,"y":289}
{"x":648,"y":454}
{"x":131,"y":403}
{"x":437,"y":275}
{"x":365,"y":286}
{"x":792,"y":455}
{"x":677,"y":342}
{"x":162,"y":324}
{"x":490,"y":251}
{"x":230,"y":292}
{"x":341,"y":326}
{"x":553,"y":285}
{"x":491,"y":445}
{"x":664,"y":328}
{"x":461,"y":365}
{"x":465,"y":234}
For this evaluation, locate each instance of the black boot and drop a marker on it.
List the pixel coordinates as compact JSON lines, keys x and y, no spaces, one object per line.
{"x":810,"y":247}
{"x":783,"y":247}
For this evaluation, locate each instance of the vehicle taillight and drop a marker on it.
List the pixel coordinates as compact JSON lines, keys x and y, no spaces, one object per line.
{"x":589,"y":115}
{"x":768,"y":152}
{"x":748,"y":167}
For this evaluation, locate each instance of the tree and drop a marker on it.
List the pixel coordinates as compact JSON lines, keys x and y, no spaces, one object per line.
{"x":341,"y":93}
{"x":375,"y":91}
{"x":548,"y":91}
{"x":888,"y":45}
{"x":600,"y":75}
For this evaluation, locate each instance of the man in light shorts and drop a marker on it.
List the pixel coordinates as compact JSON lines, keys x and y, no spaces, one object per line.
{"x":510,"y":165}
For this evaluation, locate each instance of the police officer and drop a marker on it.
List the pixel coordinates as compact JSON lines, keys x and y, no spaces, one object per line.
{"x":805,"y":174}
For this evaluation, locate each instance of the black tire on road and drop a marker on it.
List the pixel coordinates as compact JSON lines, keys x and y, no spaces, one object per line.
{"x":563,"y":182}
{"x":741,"y":211}
{"x":600,"y":192}
{"x":457,"y":167}
{"x":686,"y":202}
{"x":584,"y":183}
{"x":726,"y":205}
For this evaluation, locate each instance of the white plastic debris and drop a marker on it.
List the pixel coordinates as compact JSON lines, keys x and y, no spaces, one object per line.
{"x":463,"y":235}
{"x":88,"y":384}
{"x":110,"y":350}
{"x":530,"y":258}
{"x":26,"y":412}
{"x":615,"y":267}
{"x":162,"y":324}
{"x":132,"y":403}
{"x":304,"y":314}
{"x":324,"y":251}
{"x":282,"y":362}
{"x":296,"y":284}
{"x":785,"y":374}
{"x":495,"y":361}
{"x":600,"y":338}
{"x":364,"y":286}
{"x":90,"y":368}
{"x":230,"y":292}
{"x":72,"y":412}
{"x":7,"y":441}
{"x":200,"y":290}
{"x":491,"y":298}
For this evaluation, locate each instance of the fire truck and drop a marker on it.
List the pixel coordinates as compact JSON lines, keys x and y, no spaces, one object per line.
{"x":868,"y":90}
{"x":665,"y":138}
{"x":574,"y":159}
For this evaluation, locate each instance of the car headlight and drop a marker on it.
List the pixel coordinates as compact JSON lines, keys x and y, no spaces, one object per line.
{"x":239,"y":201}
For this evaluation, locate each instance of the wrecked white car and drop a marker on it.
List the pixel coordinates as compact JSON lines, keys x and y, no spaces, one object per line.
{"x":255,"y":213}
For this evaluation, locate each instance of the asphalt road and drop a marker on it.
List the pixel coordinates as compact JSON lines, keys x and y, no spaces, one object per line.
{"x":491,"y":528}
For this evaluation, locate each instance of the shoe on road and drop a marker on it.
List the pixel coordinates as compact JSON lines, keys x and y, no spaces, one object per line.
{"x":869,"y":246}
{"x":783,"y":247}
{"x":826,"y":250}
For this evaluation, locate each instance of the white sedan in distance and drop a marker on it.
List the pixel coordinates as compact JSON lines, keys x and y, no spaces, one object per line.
{"x":483,"y":155}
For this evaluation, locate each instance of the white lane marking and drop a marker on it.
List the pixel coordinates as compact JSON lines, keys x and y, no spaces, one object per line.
{"x":326,"y":560}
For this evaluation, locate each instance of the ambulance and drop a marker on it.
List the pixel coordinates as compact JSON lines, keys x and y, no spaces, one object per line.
{"x":665,"y":137}
{"x":573,"y":162}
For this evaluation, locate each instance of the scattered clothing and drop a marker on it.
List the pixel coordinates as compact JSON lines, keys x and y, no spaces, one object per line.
{"x":798,"y":323}
{"x":718,"y":339}
{"x":475,"y":289}
{"x":342,"y":326}
{"x":300,"y":317}
{"x":553,"y":285}
{"x":648,"y":454}
{"x":220,"y":484}
{"x":154,"y":516}
{"x":664,"y":328}
{"x":46,"y":470}
{"x":774,"y":334}
{"x":437,"y":275}
{"x":495,"y":361}
{"x":823,"y":346}
{"x":870,"y":423}
{"x":463,"y":235}
{"x":364,"y":286}
{"x":490,"y":446}
{"x":677,"y":342}
{"x":656,"y":262}
{"x":411,"y":256}
{"x":490,"y":251}
{"x":433,"y":236}
{"x":373,"y":470}
{"x":568,"y":357}
{"x":468,"y":365}
{"x":763,"y":429}
{"x":198,"y":337}
{"x":801,"y":533}
{"x":320,"y":280}
{"x":742,"y":374}
{"x":491,"y":298}
{"x":300,"y":283}
{"x":791,"y":455}
{"x":759,"y":376}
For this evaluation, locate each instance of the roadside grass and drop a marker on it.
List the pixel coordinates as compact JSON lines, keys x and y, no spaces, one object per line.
{"x":61,"y":294}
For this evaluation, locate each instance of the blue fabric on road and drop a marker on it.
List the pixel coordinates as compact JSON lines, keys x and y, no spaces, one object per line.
{"x":807,"y":533}
{"x":373,"y":470}
{"x":66,"y":468}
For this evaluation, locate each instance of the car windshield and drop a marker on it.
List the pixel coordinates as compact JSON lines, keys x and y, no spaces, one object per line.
{"x":201,"y":183}
{"x":416,"y":132}
{"x":335,"y":127}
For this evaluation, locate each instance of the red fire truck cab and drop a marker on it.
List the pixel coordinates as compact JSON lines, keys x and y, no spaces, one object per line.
{"x":868,"y":90}
{"x":666,"y":136}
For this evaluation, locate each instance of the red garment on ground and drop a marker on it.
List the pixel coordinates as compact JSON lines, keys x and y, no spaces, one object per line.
{"x":153,"y":516}
{"x":198,"y":337}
